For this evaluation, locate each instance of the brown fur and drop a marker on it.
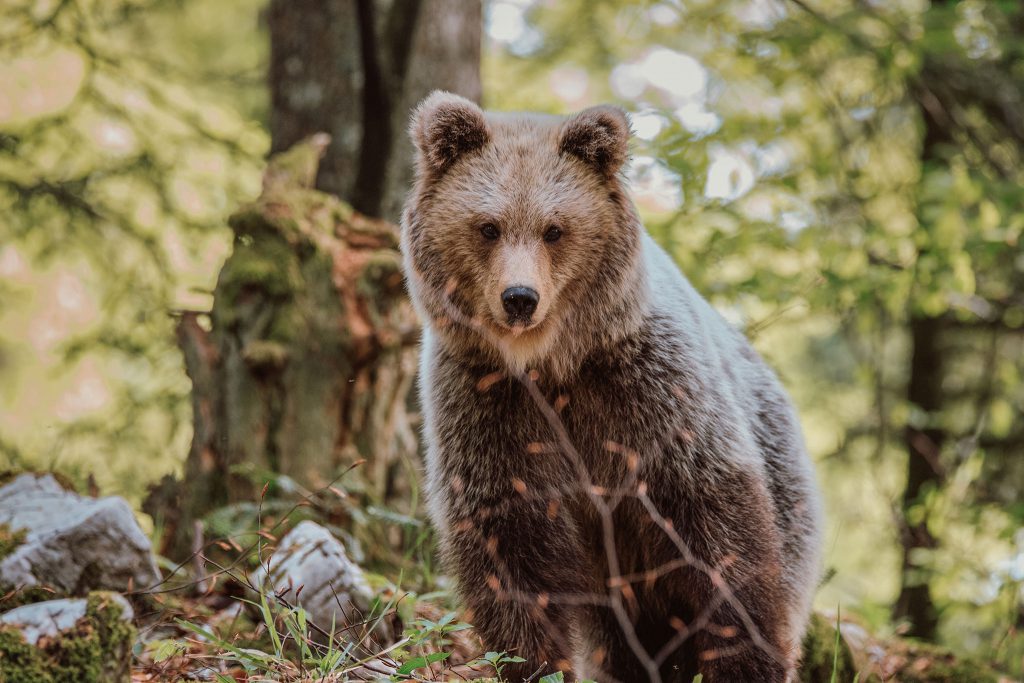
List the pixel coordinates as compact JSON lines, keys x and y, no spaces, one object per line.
{"x":639,"y":505}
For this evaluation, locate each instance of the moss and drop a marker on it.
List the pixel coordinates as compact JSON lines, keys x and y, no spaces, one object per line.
{"x":819,"y":653}
{"x":19,"y":661}
{"x":286,"y":325}
{"x":265,"y":355}
{"x":11,"y":598}
{"x":382,"y":272}
{"x":342,"y":212}
{"x":249,"y":221}
{"x":268,"y":263}
{"x":65,"y":482}
{"x":258,"y":269}
{"x":96,"y":650}
{"x":297,"y":215}
{"x":10,"y":539}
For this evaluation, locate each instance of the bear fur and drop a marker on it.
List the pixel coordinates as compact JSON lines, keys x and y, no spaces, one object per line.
{"x":618,"y":480}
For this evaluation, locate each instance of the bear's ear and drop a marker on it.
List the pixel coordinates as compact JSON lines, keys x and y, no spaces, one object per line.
{"x":599,"y":136}
{"x":444,"y":127}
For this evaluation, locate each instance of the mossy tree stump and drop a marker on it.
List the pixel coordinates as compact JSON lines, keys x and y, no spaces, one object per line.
{"x":305,"y":363}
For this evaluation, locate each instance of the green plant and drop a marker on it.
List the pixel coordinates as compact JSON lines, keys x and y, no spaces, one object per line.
{"x":498,"y":660}
{"x":429,"y":640}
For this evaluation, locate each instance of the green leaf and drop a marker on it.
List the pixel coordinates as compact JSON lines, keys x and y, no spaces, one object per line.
{"x":556,"y":677}
{"x":420,"y":662}
{"x":165,"y":649}
{"x":835,"y":652}
{"x":245,"y":657}
{"x":269,"y":619}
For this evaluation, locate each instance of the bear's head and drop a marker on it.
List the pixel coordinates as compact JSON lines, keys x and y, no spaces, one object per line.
{"x":518,"y":236}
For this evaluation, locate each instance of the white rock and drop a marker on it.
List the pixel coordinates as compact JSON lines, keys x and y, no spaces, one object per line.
{"x":53,"y":616}
{"x":73,"y":543}
{"x":333,"y":587}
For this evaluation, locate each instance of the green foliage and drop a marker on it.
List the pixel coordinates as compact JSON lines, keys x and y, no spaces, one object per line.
{"x":819,"y":215}
{"x":126,"y":131}
{"x":164,"y":649}
{"x":425,"y":632}
{"x":498,"y":660}
{"x":291,"y":645}
{"x":559,"y":677}
{"x":422,"y":662}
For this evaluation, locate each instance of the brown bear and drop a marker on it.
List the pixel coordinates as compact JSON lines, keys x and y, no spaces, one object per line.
{"x":618,"y":480}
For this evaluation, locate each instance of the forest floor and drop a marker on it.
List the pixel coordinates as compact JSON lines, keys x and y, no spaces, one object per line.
{"x":212,"y":619}
{"x":228,"y":634}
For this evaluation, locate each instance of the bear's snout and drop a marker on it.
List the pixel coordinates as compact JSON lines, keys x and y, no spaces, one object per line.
{"x":519,"y":303}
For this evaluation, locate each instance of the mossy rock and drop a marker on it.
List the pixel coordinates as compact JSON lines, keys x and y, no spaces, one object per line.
{"x":97,"y":649}
{"x":868,"y":660}
{"x":11,"y":596}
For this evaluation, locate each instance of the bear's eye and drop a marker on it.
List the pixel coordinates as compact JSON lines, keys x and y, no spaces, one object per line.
{"x":490,"y":231}
{"x":553,"y":234}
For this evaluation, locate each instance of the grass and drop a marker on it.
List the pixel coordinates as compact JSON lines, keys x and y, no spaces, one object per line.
{"x":269,"y":636}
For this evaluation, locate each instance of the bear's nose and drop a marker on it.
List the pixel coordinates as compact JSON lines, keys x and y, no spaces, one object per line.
{"x":519,"y":302}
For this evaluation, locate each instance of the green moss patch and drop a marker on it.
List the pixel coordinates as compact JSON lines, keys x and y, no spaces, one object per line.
{"x":11,"y":598}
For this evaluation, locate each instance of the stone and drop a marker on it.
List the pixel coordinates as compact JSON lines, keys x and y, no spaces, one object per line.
{"x":50,"y":618}
{"x":72,"y":543}
{"x":310,"y":568}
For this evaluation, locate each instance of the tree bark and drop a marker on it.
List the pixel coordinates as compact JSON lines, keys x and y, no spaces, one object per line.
{"x":354,"y":69}
{"x":923,"y":442}
{"x":924,"y":446}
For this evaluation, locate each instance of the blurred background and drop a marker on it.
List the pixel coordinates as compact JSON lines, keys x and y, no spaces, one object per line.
{"x":841,"y":178}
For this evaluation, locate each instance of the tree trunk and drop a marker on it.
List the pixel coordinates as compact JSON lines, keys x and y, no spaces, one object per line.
{"x":924,"y":445}
{"x":923,"y":441}
{"x":305,"y":363}
{"x":354,"y":69}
